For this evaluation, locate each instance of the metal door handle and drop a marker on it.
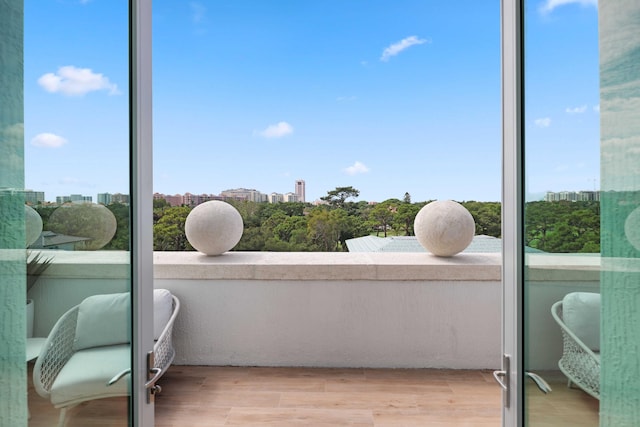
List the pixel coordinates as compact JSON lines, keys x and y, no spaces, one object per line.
{"x":503,"y":377}
{"x":498,"y":375}
{"x":157,"y":372}
{"x":119,"y":375}
{"x":153,"y":375}
{"x":543,"y":386}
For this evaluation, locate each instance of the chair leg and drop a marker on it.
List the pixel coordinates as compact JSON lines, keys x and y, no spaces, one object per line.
{"x":569,"y":384}
{"x":63,"y":417}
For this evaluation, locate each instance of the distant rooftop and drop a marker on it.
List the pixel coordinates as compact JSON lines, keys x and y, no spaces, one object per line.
{"x":479,"y":244}
{"x":51,"y":240}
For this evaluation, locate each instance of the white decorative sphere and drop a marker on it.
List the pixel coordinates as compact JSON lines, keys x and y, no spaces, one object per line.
{"x":214,"y":227}
{"x":33,"y":225}
{"x":444,"y":227}
{"x":89,"y":220}
{"x":632,"y":228}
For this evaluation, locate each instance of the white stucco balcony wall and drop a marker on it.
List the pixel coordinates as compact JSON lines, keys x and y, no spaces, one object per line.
{"x":336,"y":309}
{"x":409,"y":310}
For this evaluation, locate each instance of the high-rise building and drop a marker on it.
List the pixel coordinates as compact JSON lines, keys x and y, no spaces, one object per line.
{"x":290,"y":197}
{"x":104,"y":198}
{"x":276,"y":198}
{"x":573,"y":196}
{"x":300,"y":190}
{"x":250,"y":195}
{"x":120,"y":198}
{"x":33,"y":197}
{"x":73,"y":198}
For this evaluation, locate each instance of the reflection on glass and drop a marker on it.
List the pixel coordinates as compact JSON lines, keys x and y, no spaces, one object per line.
{"x":76,"y":185}
{"x":620,"y":277}
{"x":562,"y":233}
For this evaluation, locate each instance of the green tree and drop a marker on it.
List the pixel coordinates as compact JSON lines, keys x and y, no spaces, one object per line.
{"x":382,"y":215}
{"x":252,"y":240}
{"x":120,"y":240}
{"x":286,"y":230}
{"x":325,"y":227}
{"x":405,"y":218}
{"x":160,"y":204}
{"x":45,"y":212}
{"x":563,"y":226}
{"x":487,"y":217}
{"x":338,"y":197}
{"x":249,"y":211}
{"x":287,"y":208}
{"x":168,"y":231}
{"x":269,"y":224}
{"x":352,"y":226}
{"x":540,"y":220}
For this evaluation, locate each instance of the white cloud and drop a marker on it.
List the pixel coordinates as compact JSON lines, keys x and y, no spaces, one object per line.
{"x":49,"y":140}
{"x":73,"y":81}
{"x":576,"y":110}
{"x":15,"y":130}
{"x":75,"y":182}
{"x":549,"y":5}
{"x":356,"y":168}
{"x":398,"y":47}
{"x":198,"y":12}
{"x":596,"y":108}
{"x":69,"y":180}
{"x":346,"y":98}
{"x":544,"y":122}
{"x":276,"y":131}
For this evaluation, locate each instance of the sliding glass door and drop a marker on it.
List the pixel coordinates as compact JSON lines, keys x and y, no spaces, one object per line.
{"x":75,"y":203}
{"x":571,"y":181}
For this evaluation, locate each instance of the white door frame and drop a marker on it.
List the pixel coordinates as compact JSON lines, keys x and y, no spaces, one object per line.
{"x":512,"y":209}
{"x":141,"y":206}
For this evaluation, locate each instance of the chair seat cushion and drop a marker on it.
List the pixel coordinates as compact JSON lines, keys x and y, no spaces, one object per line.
{"x":103,"y":319}
{"x":581,"y":314}
{"x":85,"y":375}
{"x":162,"y":309}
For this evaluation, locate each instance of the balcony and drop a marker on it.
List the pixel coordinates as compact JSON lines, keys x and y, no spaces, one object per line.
{"x":280,"y":397}
{"x":405,"y":326}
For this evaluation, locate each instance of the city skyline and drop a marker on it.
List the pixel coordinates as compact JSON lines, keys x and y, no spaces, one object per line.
{"x":387,"y":99}
{"x":36,"y":197}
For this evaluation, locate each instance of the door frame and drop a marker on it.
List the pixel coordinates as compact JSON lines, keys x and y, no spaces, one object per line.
{"x":141,"y":170}
{"x":512,"y":208}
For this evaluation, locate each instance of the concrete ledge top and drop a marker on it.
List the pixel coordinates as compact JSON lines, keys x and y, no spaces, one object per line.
{"x":327,"y":266}
{"x":372,"y":266}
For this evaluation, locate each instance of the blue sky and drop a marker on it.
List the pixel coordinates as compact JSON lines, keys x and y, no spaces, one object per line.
{"x":387,"y":97}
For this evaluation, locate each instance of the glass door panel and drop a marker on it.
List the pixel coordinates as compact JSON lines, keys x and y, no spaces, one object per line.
{"x":581,"y":182}
{"x":561,"y":203}
{"x":76,"y":199}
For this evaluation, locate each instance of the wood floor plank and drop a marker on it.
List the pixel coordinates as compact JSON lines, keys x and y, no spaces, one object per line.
{"x":289,"y":417}
{"x":348,"y":400}
{"x":386,"y":386}
{"x":290,"y":397}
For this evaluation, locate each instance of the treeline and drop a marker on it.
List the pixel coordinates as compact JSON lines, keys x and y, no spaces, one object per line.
{"x":302,"y":227}
{"x":294,"y":227}
{"x":567,"y":227}
{"x":84,"y":225}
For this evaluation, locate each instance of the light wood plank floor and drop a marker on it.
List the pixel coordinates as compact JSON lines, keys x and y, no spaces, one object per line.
{"x":562,"y":407}
{"x":226,"y":396}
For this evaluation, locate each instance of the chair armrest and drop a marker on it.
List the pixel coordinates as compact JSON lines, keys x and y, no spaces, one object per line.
{"x":163,"y":347}
{"x":56,"y":351}
{"x":569,"y":338}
